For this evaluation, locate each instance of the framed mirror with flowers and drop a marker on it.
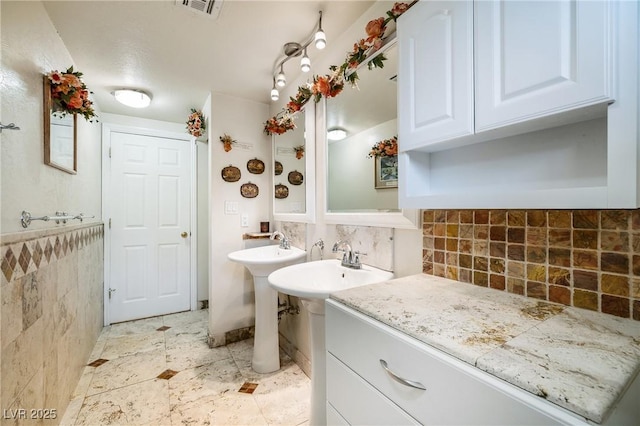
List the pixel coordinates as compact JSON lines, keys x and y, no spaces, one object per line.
{"x":60,"y":135}
{"x":65,"y":97}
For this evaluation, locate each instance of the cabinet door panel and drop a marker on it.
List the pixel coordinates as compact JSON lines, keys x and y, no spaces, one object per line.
{"x":436,"y":83}
{"x":536,"y":58}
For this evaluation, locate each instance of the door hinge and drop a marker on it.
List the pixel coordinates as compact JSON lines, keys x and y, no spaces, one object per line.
{"x":111,"y":291}
{"x":109,"y":152}
{"x":109,"y":223}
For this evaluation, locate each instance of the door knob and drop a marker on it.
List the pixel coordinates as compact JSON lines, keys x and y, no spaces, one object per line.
{"x":185,"y":234}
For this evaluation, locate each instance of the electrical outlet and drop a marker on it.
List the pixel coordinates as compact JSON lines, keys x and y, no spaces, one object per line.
{"x":244,"y":220}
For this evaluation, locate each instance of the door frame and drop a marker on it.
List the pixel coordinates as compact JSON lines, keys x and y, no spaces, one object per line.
{"x":107,"y":129}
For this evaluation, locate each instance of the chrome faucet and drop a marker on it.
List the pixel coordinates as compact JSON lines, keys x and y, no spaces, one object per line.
{"x":284,"y":241}
{"x":350,"y":258}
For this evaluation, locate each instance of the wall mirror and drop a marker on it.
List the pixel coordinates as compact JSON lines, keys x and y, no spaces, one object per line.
{"x":60,"y":136}
{"x":355,"y":193}
{"x":294,"y":170}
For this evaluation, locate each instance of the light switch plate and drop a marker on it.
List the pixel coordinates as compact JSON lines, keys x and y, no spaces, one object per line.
{"x":244,"y":220}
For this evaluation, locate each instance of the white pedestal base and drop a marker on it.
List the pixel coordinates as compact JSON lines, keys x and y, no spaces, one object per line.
{"x":315,"y":307}
{"x":266,"y":355}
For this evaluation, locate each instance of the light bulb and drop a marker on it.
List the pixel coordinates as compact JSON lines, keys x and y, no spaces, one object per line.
{"x":275,"y":95}
{"x":305,"y":62}
{"x":281,"y":80}
{"x":321,"y":39}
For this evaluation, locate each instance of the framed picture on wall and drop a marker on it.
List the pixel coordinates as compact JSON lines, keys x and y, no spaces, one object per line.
{"x":386,"y":170}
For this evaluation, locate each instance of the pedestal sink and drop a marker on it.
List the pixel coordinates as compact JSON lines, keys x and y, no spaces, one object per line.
{"x":312,"y":282}
{"x":261,"y":261}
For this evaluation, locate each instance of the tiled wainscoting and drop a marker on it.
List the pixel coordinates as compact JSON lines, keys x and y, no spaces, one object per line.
{"x":52,"y":313}
{"x":584,"y":258}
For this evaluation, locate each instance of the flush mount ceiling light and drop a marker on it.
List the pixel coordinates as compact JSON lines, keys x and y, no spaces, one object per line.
{"x":336,"y":134}
{"x":134,"y":98}
{"x":293,"y":50}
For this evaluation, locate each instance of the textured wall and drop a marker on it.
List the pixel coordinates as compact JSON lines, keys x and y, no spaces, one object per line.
{"x":31,"y":47}
{"x":51,"y":308}
{"x":584,"y":258}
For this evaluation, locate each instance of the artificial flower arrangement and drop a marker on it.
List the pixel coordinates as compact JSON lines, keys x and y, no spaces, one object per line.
{"x":299,"y":151}
{"x":331,"y":85}
{"x":69,"y":94}
{"x":196,"y":124}
{"x":279,"y":124}
{"x":227,"y":141}
{"x":384,"y":148}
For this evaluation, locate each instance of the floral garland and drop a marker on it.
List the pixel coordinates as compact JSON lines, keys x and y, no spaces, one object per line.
{"x":70,"y":95}
{"x":331,"y":85}
{"x":384,"y":148}
{"x":196,"y":124}
{"x":227,"y":141}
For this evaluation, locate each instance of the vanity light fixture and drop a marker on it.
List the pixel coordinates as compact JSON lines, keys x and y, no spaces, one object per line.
{"x":336,"y":134}
{"x":134,"y":98}
{"x":293,"y":50}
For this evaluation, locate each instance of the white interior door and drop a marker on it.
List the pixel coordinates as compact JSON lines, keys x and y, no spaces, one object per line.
{"x":150,"y":199}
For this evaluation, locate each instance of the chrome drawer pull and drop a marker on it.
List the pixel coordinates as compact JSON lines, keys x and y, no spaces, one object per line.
{"x":399,"y":379}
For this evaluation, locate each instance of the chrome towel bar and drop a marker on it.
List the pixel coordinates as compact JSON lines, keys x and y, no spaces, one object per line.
{"x":59,"y":217}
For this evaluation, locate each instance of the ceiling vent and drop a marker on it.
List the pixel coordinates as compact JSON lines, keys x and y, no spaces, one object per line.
{"x":209,"y":8}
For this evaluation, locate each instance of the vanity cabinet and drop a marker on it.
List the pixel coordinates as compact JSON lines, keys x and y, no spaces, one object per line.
{"x":510,"y":104}
{"x":361,"y":391}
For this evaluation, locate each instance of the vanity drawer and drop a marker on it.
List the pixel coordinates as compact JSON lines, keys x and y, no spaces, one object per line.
{"x":456,"y":393}
{"x":357,"y":402}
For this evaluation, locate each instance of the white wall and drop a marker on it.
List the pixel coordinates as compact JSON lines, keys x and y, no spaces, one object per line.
{"x":231,"y":295}
{"x":31,"y":47}
{"x":351,"y":173}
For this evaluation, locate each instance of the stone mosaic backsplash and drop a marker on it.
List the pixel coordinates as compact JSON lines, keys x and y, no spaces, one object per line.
{"x":584,"y":258}
{"x":33,"y":251}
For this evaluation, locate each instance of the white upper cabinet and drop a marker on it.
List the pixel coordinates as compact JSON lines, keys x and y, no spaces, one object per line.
{"x":438,"y":94}
{"x":538,"y":58}
{"x":519,"y":104}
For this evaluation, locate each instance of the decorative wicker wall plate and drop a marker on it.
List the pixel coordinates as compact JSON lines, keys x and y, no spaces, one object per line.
{"x":231,"y":173}
{"x":278,"y":168}
{"x":255,"y":166}
{"x":295,"y":178}
{"x":282,"y":191}
{"x":249,"y":190}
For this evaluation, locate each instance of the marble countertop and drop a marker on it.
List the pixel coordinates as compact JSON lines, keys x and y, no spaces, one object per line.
{"x":578,"y":359}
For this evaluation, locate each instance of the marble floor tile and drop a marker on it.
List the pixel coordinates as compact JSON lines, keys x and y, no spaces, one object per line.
{"x":175,"y":337}
{"x":129,"y":345}
{"x":127,"y":370}
{"x":144,"y":403}
{"x":204,"y":390}
{"x":216,"y":378}
{"x":142,"y":326}
{"x":194,"y":354}
{"x":219,"y":410}
{"x":290,"y":384}
{"x":185,"y":318}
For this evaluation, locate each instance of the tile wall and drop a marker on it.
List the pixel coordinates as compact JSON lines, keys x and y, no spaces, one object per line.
{"x":584,"y":258}
{"x":51,"y":308}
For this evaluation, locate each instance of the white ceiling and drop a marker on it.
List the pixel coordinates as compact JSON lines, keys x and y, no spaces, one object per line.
{"x":180,"y":56}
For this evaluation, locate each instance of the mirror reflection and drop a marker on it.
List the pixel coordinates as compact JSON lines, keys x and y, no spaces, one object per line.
{"x":368,"y":115}
{"x":289,"y":169}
